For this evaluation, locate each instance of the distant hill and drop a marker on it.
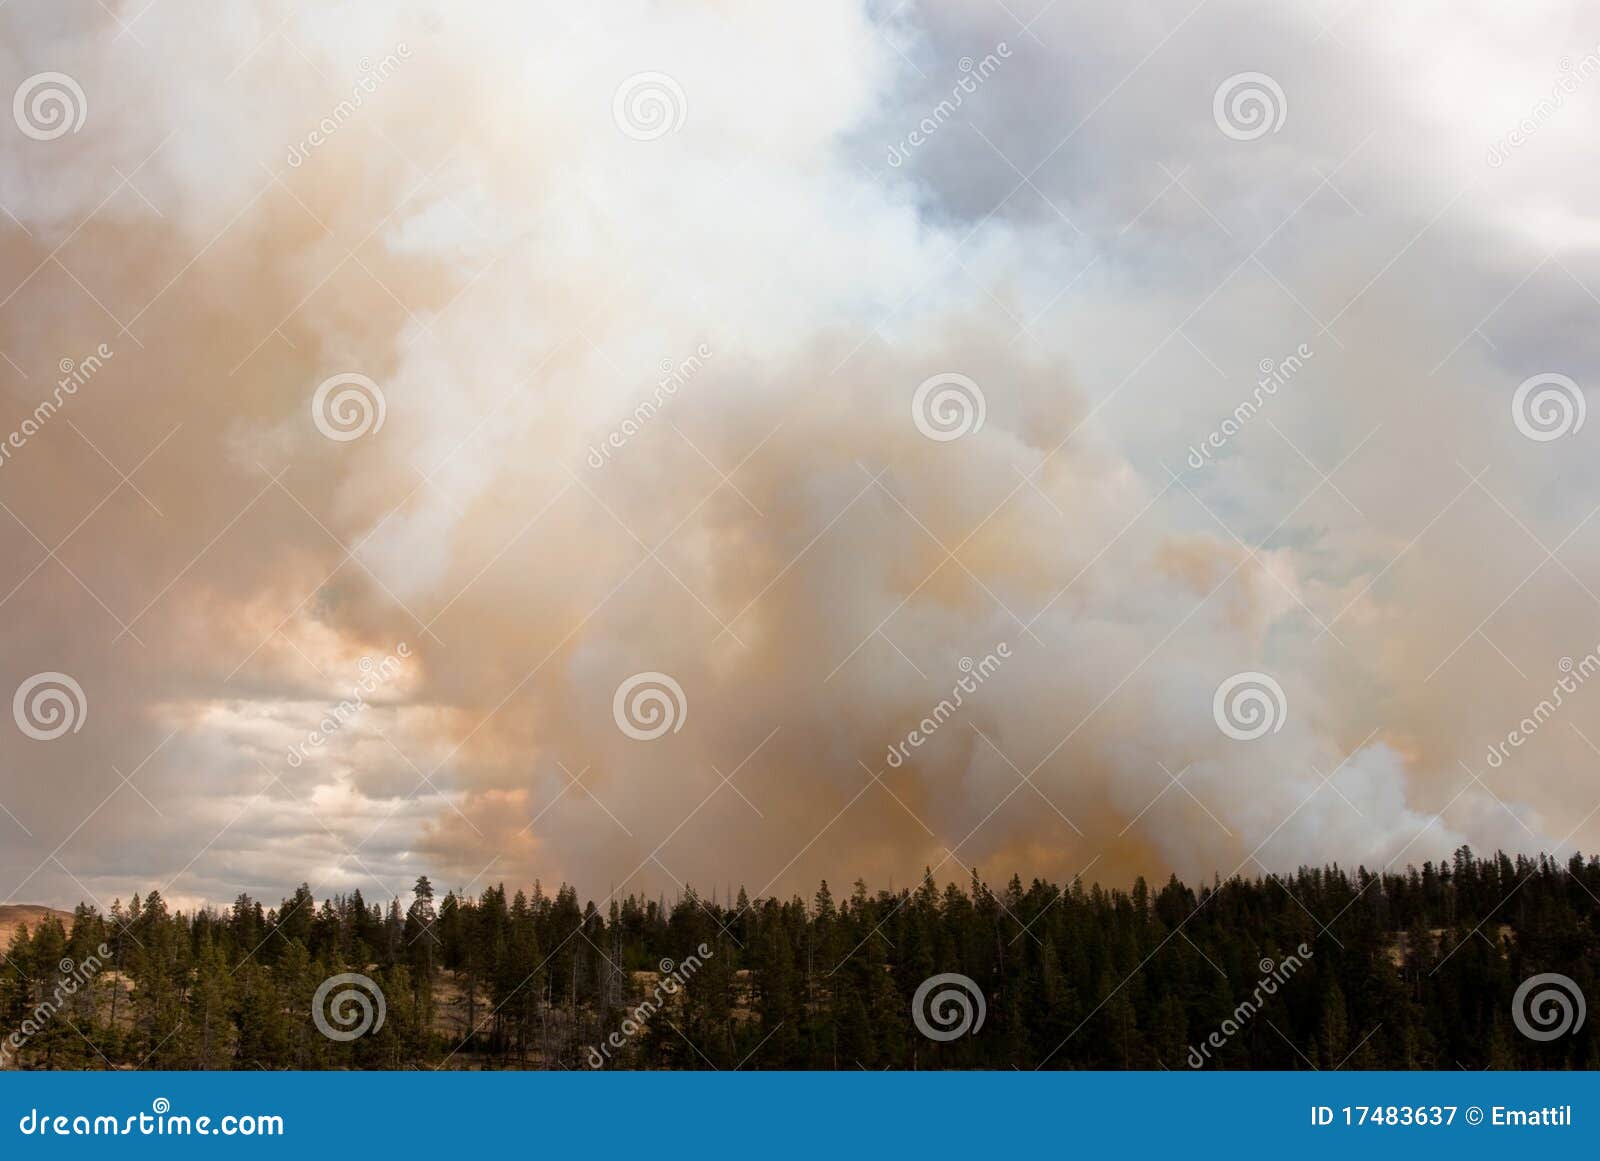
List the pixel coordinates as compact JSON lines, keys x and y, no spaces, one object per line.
{"x":15,"y":915}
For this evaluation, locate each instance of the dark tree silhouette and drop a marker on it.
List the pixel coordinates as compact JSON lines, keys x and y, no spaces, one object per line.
{"x":1399,"y":970}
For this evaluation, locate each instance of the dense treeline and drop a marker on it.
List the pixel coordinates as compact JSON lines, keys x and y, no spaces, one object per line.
{"x":1413,"y":970}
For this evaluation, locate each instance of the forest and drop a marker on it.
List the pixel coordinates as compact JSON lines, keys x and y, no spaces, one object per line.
{"x":1403,"y":970}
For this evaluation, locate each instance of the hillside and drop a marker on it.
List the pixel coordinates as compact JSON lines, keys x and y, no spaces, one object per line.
{"x":15,"y":915}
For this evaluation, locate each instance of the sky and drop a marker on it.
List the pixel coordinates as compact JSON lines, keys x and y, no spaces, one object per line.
{"x":720,"y":445}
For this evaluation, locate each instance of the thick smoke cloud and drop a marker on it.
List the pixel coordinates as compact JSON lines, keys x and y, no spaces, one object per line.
{"x":649,"y":364}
